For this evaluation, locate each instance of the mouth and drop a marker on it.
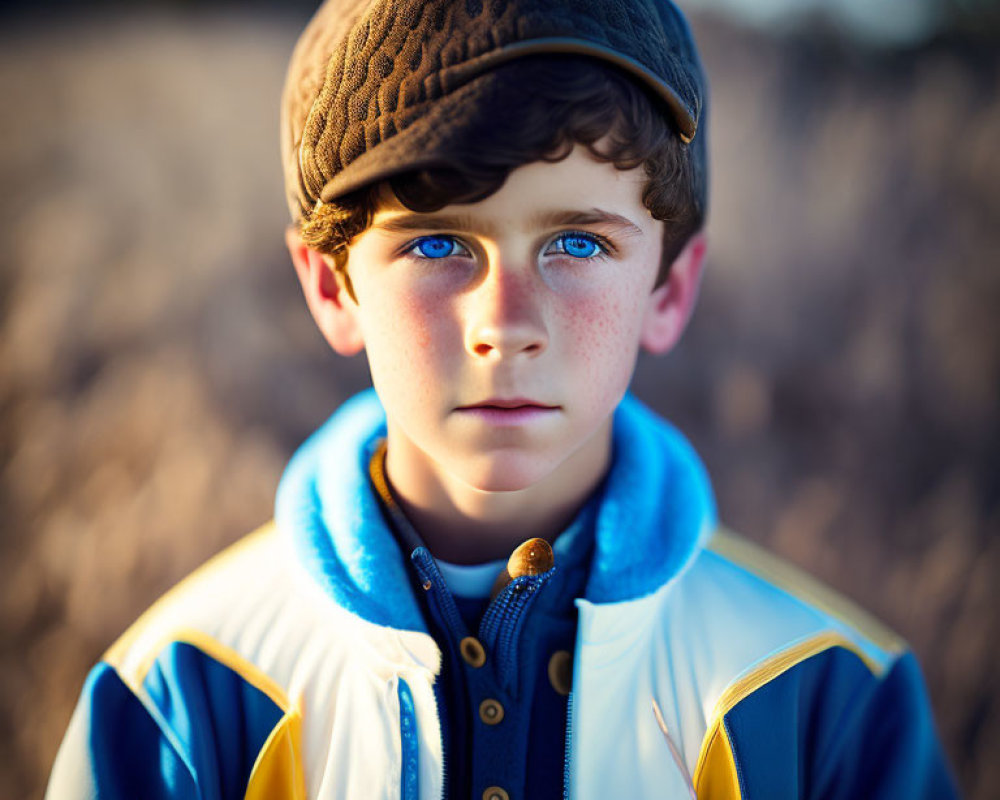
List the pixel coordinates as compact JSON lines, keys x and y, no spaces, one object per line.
{"x":508,"y":411}
{"x":509,"y":404}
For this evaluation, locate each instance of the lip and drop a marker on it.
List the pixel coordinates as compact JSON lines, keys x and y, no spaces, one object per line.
{"x":509,"y":403}
{"x":508,"y":410}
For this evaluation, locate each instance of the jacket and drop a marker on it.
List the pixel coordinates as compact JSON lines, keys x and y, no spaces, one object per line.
{"x":296,"y":663}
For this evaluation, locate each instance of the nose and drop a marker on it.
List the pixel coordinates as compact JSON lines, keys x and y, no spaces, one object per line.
{"x":505,"y":316}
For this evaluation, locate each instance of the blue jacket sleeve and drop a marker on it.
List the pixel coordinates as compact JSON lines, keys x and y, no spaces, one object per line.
{"x":116,"y":747}
{"x":830,"y":729}
{"x":195,"y":732}
{"x":888,"y":746}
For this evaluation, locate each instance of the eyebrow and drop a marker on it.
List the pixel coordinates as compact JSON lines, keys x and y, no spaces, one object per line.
{"x":404,"y":223}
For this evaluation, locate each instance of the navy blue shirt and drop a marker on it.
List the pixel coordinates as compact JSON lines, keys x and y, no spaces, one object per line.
{"x":503,"y":718}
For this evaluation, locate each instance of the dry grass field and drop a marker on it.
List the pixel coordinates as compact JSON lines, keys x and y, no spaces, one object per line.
{"x":158,"y":366}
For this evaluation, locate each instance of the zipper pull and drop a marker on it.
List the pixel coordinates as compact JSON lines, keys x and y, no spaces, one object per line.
{"x":531,"y":557}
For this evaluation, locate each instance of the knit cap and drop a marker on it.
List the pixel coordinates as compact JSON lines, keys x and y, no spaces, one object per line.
{"x":376,"y":87}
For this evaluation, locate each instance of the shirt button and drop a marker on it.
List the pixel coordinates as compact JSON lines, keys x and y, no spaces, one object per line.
{"x":561,"y":671}
{"x":495,"y":793}
{"x":490,"y":711}
{"x":472,"y":651}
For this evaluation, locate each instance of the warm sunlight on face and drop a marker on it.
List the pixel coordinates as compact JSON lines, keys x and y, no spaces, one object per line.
{"x":502,"y":334}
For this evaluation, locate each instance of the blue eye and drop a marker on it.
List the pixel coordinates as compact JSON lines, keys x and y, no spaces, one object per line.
{"x":434,"y":247}
{"x":580,"y":245}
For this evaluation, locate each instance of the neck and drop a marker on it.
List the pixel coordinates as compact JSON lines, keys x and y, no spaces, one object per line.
{"x":465,"y":525}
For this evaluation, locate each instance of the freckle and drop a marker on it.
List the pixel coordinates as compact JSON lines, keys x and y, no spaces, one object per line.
{"x":415,"y":323}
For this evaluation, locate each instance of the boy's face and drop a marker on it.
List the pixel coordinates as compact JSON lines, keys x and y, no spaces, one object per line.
{"x":502,"y":334}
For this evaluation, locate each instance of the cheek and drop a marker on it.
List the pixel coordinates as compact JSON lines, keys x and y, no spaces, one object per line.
{"x":602,"y":334}
{"x":405,"y":337}
{"x":416,"y":317}
{"x":600,"y":318}
{"x":396,"y":325}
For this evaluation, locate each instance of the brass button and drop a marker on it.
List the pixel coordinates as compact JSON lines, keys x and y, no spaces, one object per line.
{"x":495,"y":793}
{"x":472,"y":651}
{"x":532,"y":557}
{"x":490,"y":711}
{"x":561,"y":671}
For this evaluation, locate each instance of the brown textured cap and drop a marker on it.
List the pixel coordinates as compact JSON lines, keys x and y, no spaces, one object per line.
{"x":375,"y":86}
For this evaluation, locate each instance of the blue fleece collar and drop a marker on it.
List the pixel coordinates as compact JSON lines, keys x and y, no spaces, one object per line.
{"x":655,"y":512}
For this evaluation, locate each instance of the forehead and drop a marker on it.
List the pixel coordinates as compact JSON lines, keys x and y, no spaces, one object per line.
{"x":578,"y":190}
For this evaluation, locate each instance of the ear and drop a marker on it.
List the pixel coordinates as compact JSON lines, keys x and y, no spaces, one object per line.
{"x":671,"y":304}
{"x":331,"y":306}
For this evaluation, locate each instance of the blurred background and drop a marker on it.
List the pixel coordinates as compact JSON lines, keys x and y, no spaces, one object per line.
{"x":158,"y":365}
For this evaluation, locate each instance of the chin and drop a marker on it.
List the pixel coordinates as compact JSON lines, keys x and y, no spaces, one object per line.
{"x":505,"y":473}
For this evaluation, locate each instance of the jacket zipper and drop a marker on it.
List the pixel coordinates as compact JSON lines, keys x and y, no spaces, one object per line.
{"x":569,"y":739}
{"x":409,"y":788}
{"x":408,"y":740}
{"x":499,"y":629}
{"x":431,"y":578}
{"x":444,"y":755}
{"x":433,"y":583}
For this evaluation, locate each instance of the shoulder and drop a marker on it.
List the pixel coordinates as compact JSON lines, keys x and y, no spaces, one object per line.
{"x":235,"y":672}
{"x":252,"y":608}
{"x":777,"y":653}
{"x":189,"y":689}
{"x":223,"y":594}
{"x":802,"y":676}
{"x":778,"y":604}
{"x":739,"y":662}
{"x":747,"y":616}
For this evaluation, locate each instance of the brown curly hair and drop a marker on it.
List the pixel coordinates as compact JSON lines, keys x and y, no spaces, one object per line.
{"x":543,"y":106}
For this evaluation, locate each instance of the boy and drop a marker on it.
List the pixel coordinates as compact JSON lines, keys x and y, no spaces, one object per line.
{"x":497,"y":575}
